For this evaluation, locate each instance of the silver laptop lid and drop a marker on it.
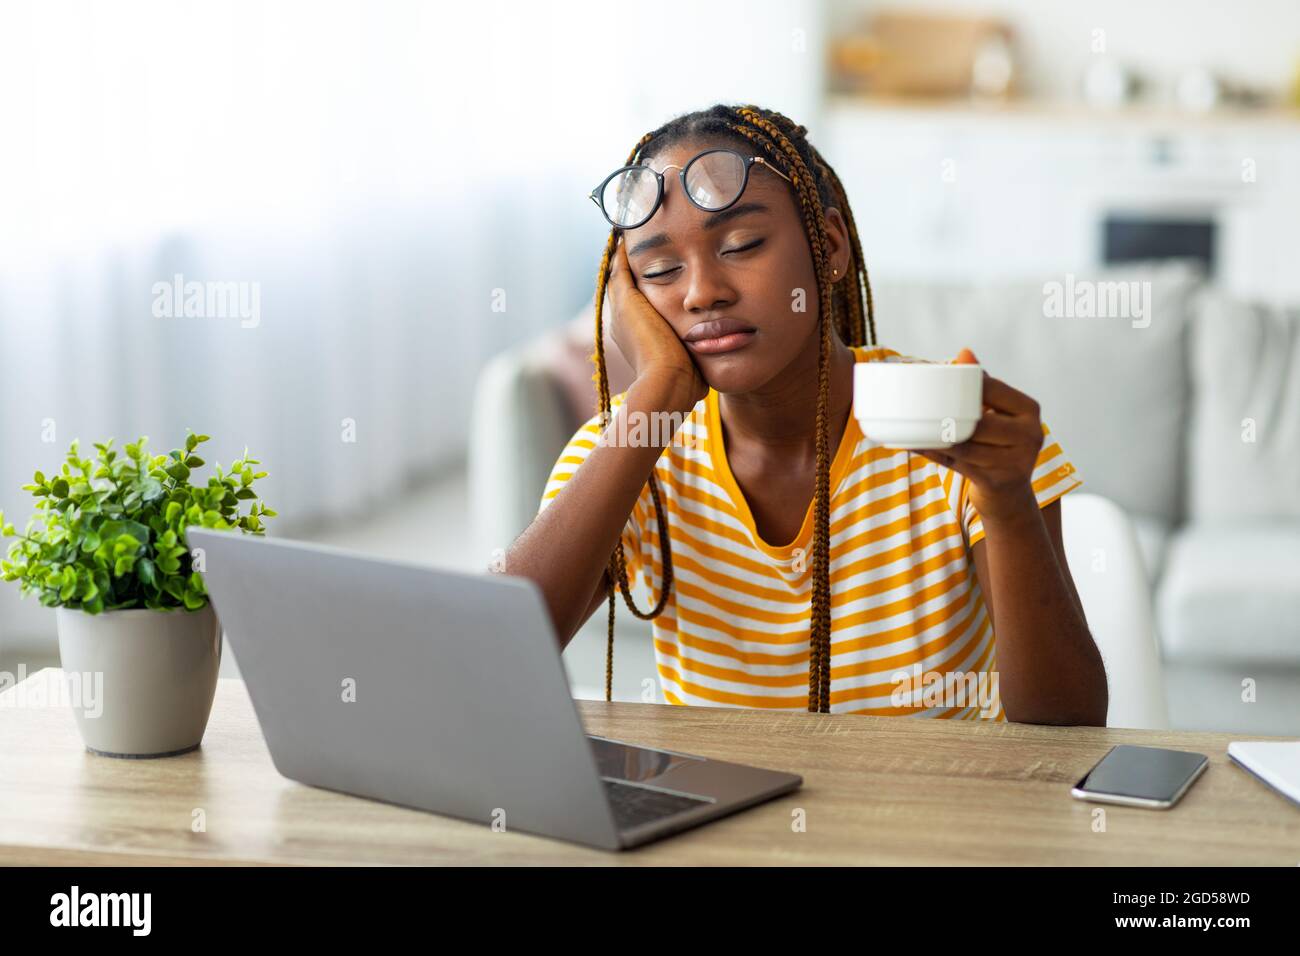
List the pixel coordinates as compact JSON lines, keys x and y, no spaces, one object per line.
{"x":432,"y":689}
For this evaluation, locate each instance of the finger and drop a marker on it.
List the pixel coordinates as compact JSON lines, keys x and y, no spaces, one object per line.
{"x":618,"y":261}
{"x":999,"y":430}
{"x":1001,"y":397}
{"x":622,"y":255}
{"x":937,"y":457}
{"x":960,"y":465}
{"x":968,"y":454}
{"x":620,"y":274}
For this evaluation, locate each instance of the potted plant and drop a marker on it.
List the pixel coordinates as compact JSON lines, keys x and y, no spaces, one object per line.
{"x":132,"y":612}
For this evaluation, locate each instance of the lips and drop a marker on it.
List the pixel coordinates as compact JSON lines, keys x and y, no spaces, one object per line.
{"x":718,"y":335}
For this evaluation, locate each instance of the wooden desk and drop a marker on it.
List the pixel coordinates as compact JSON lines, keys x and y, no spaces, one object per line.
{"x":876,"y":790}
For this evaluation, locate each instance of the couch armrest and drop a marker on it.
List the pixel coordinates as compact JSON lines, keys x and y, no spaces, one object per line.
{"x":519,"y":424}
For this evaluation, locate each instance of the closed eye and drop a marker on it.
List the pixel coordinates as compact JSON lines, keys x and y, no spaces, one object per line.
{"x":746,"y":248}
{"x":753,"y":245}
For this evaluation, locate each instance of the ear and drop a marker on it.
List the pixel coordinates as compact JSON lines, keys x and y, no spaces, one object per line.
{"x":837,"y":238}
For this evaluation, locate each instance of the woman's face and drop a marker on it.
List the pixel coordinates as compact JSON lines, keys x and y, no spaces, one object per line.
{"x":748,"y":267}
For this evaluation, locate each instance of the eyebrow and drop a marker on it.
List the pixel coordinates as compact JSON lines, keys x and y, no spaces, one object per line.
{"x":713,"y":222}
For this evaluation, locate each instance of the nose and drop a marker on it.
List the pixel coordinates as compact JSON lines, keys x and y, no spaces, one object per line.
{"x":707,"y":285}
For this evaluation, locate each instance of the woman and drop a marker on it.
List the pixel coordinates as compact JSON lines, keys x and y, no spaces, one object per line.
{"x":796,"y":564}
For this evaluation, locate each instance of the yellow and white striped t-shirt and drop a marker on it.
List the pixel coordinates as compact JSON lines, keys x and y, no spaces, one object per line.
{"x":910,"y":633}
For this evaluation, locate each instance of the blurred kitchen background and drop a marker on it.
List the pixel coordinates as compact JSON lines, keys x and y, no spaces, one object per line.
{"x":398,"y":189}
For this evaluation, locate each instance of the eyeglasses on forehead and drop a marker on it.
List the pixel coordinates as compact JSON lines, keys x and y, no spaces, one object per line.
{"x":712,"y":180}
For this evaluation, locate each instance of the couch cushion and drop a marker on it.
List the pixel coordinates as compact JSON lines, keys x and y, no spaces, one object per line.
{"x":1244,"y":446}
{"x":1116,"y":395}
{"x":1231,"y":591}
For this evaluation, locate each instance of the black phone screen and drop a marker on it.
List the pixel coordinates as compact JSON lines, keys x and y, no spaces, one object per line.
{"x":1149,"y":772}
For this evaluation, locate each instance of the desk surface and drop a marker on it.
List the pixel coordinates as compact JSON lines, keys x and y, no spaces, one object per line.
{"x":877,"y":790}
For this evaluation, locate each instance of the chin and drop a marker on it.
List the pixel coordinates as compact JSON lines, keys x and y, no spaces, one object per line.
{"x":733,"y":373}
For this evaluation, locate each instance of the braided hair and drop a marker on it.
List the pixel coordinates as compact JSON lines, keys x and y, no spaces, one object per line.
{"x":846,"y":306}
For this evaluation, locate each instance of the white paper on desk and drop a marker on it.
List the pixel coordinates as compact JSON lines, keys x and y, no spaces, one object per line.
{"x":1276,"y":762}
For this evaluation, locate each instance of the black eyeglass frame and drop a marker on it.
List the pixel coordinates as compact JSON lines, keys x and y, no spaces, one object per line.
{"x":596,"y":194}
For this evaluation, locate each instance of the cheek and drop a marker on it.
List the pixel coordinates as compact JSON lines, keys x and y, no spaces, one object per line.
{"x":661,"y":299}
{"x":806,"y":280}
{"x":790,"y":296}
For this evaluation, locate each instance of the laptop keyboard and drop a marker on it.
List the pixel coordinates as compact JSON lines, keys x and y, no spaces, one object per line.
{"x":635,"y":805}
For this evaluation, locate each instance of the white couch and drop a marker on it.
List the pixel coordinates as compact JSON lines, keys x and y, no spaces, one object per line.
{"x":1190,"y":422}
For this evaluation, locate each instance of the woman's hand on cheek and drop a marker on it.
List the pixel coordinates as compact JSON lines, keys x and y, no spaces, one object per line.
{"x":644,"y":336}
{"x":1000,"y":455}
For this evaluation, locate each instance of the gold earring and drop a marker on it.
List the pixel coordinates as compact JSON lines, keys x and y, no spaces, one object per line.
{"x":835,"y":272}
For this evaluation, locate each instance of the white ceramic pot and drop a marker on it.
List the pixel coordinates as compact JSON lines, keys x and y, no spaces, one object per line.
{"x":147,"y":678}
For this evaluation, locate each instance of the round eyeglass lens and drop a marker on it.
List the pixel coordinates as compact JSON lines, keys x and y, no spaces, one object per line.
{"x":628,"y":197}
{"x":714,"y":180}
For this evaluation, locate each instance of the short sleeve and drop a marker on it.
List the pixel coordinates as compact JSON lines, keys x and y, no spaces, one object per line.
{"x":580,"y":446}
{"x":1054,"y":475}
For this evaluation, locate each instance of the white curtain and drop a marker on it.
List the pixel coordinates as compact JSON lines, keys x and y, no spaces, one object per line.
{"x":381,"y":174}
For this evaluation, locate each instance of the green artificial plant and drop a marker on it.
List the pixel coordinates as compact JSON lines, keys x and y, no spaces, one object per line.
{"x":114,"y":529}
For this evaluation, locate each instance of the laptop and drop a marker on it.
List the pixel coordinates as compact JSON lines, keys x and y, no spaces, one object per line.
{"x":1275,"y":762}
{"x":445,"y":692}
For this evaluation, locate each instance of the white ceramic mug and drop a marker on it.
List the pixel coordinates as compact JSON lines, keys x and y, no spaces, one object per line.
{"x":913,"y":405}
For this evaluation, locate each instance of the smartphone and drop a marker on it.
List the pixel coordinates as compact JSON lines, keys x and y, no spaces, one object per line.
{"x":1149,"y":777}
